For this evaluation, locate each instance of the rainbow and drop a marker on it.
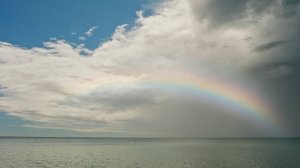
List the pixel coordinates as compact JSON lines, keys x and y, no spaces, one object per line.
{"x":241,"y":101}
{"x":238,"y":98}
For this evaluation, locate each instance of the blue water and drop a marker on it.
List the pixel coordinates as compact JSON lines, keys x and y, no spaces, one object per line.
{"x":149,"y":153}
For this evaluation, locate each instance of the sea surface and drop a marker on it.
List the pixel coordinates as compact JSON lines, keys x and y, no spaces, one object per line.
{"x":148,"y":153}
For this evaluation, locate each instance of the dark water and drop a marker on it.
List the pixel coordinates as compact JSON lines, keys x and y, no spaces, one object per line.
{"x":149,"y":153}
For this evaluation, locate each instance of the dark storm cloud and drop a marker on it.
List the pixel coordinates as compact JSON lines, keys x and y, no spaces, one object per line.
{"x":290,"y":7}
{"x":275,"y":40}
{"x":228,"y":12}
{"x":279,"y":71}
{"x":242,"y":12}
{"x":269,"y":45}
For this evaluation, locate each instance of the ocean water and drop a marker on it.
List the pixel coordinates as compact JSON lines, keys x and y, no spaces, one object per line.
{"x":149,"y":153}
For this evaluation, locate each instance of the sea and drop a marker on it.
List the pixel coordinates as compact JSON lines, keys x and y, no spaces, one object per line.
{"x":19,"y":152}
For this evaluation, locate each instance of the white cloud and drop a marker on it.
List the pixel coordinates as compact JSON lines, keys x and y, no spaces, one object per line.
{"x":53,"y":38}
{"x":88,"y":33}
{"x":73,"y":32}
{"x":81,"y":38}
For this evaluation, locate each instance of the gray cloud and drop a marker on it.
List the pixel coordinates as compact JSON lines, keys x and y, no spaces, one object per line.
{"x":289,"y":7}
{"x":117,"y":98}
{"x":231,"y":12}
{"x":278,"y":72}
{"x":269,"y":45}
{"x":2,"y":91}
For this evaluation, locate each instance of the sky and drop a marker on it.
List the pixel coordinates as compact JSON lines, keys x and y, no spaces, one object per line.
{"x":141,"y":68}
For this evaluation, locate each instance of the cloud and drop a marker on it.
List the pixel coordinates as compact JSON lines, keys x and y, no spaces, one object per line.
{"x":231,"y":12}
{"x":268,"y":46}
{"x":90,"y":31}
{"x":67,"y":86}
{"x":53,"y":38}
{"x":2,"y":91}
{"x":81,"y":38}
{"x":73,"y":32}
{"x":87,"y":34}
{"x":289,"y":7}
{"x":278,"y":72}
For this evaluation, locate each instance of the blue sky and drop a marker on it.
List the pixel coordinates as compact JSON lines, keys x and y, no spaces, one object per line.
{"x":30,"y":23}
{"x":95,"y":68}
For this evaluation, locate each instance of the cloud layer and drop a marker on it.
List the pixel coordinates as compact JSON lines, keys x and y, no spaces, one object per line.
{"x":67,"y":86}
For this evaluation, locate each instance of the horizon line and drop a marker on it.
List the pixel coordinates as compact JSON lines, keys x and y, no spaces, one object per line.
{"x":94,"y":137}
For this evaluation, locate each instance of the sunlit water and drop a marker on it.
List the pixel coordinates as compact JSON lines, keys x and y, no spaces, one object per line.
{"x":149,"y":153}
